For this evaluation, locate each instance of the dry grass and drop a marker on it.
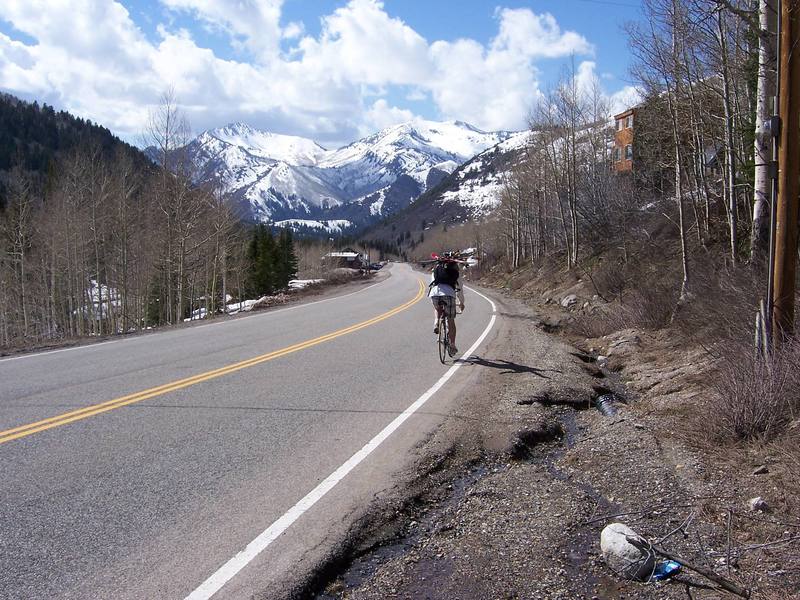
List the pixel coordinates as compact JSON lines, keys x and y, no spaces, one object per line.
{"x":754,"y":398}
{"x":637,"y":296}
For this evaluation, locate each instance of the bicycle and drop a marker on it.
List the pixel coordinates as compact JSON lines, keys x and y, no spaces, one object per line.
{"x":463,"y":258}
{"x":444,"y":334}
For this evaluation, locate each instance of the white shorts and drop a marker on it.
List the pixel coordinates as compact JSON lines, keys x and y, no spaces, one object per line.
{"x":449,"y":305}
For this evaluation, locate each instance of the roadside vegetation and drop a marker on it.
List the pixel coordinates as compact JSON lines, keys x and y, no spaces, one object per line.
{"x":667,"y":259}
{"x":96,"y":239}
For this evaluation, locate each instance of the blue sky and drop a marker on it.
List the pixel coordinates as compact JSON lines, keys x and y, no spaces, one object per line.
{"x":329,"y":70}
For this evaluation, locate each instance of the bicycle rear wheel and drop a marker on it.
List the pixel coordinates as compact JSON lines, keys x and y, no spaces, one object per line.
{"x":444,"y":340}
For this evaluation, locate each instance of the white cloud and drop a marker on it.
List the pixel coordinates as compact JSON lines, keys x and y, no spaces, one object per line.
{"x":628,"y":97}
{"x":587,"y":82}
{"x":380,"y":115}
{"x":255,"y":24}
{"x":293,"y":30}
{"x":496,"y":87}
{"x":526,"y":34}
{"x":417,"y":95}
{"x":362,"y":43}
{"x":90,"y":57}
{"x":586,"y":79}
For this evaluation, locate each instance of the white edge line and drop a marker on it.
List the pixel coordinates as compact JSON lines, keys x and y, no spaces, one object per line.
{"x":266,"y":314}
{"x":229,"y":570}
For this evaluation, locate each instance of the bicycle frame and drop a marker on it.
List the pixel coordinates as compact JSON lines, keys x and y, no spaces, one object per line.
{"x":444,"y":334}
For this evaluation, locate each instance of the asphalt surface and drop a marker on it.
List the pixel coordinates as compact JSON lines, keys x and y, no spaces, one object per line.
{"x":146,"y":495}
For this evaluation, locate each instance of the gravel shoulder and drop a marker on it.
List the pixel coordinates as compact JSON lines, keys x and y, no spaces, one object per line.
{"x":508,"y":497}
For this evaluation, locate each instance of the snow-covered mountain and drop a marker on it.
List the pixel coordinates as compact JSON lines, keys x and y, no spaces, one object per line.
{"x":475,"y":186}
{"x":279,"y":177}
{"x":470,"y":192}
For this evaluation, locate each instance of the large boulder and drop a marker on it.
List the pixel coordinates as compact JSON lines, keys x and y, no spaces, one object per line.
{"x":626,"y":552}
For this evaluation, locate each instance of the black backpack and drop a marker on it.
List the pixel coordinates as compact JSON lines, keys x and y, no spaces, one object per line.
{"x":445,"y":273}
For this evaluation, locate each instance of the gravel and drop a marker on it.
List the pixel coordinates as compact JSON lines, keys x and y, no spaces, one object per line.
{"x":510,"y":502}
{"x":508,"y":498}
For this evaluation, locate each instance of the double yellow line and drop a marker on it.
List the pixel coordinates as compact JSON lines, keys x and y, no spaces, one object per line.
{"x":96,"y":409}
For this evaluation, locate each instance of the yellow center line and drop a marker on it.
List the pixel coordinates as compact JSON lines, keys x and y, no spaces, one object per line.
{"x":96,"y":409}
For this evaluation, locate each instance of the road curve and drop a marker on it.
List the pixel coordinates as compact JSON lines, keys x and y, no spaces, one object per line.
{"x":139,"y":468}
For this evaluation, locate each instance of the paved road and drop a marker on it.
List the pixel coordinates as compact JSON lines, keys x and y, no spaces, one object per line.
{"x":137,"y":468}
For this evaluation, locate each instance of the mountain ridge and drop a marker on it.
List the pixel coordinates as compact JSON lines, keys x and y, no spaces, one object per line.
{"x":277,"y":177}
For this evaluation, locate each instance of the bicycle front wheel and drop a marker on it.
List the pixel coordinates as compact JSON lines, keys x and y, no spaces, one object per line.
{"x":443,"y":339}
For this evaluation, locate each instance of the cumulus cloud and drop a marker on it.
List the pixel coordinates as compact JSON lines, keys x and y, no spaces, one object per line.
{"x":628,"y":97}
{"x":588,"y":83}
{"x":252,"y":24}
{"x":362,"y":43}
{"x":526,"y":34}
{"x":380,"y":115}
{"x":496,"y":86}
{"x":91,"y":57}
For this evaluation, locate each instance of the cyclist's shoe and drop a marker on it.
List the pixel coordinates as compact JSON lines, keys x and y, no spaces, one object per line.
{"x":436,"y":330}
{"x":452,"y":350}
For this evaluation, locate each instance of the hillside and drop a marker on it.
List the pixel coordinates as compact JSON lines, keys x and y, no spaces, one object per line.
{"x":467,"y":194}
{"x":33,"y":135}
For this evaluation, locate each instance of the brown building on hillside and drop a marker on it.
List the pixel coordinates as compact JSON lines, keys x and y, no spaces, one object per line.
{"x":623,"y":141}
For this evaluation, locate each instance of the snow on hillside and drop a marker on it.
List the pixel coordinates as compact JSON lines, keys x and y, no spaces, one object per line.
{"x":376,"y":207}
{"x":478,"y":187}
{"x":263,"y":144}
{"x":453,"y":141}
{"x":333,"y":226}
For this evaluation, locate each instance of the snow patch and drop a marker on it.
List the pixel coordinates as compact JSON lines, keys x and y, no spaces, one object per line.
{"x":299,"y":284}
{"x":332,"y":226}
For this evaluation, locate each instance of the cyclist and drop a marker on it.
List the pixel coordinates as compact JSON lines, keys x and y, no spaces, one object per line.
{"x":445,"y":288}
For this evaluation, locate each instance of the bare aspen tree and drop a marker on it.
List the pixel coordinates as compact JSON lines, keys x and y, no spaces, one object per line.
{"x":168,"y":132}
{"x":730,"y":152}
{"x":19,"y":215}
{"x":765,"y":91}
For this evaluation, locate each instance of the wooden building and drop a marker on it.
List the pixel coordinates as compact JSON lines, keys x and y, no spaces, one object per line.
{"x":622,"y":152}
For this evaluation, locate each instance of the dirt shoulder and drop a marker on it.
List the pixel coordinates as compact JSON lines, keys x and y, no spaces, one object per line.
{"x":507,"y":499}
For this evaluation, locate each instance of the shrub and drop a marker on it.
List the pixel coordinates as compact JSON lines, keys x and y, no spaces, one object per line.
{"x":753,"y":398}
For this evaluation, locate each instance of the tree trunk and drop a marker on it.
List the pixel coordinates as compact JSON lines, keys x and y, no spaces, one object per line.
{"x":730,"y":148}
{"x":759,"y":239}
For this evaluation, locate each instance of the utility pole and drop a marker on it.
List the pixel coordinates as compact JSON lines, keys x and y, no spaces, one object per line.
{"x":786,"y":225}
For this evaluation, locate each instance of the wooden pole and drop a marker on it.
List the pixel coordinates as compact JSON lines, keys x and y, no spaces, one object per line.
{"x":785,"y":269}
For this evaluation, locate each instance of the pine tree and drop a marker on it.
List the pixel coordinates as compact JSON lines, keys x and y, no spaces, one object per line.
{"x":266,"y":261}
{"x":261,"y":255}
{"x":286,"y":261}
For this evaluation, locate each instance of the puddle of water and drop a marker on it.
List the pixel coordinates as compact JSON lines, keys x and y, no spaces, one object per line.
{"x":363,"y":567}
{"x":578,"y":555}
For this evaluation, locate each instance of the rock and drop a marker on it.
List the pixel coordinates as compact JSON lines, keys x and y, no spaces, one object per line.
{"x":760,"y":470}
{"x":569,"y":300}
{"x":550,"y":324}
{"x":624,"y":340}
{"x":602,"y":359}
{"x":758,"y":504}
{"x":626,"y":552}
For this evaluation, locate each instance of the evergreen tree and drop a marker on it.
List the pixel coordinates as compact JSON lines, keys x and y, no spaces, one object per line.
{"x":286,"y":261}
{"x":261,"y":255}
{"x":265,"y":264}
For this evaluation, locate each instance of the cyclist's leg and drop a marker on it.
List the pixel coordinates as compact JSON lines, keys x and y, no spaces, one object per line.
{"x":436,"y":311}
{"x":451,"y":320}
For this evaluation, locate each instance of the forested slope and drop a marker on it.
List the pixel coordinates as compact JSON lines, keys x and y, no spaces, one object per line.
{"x":33,"y":135}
